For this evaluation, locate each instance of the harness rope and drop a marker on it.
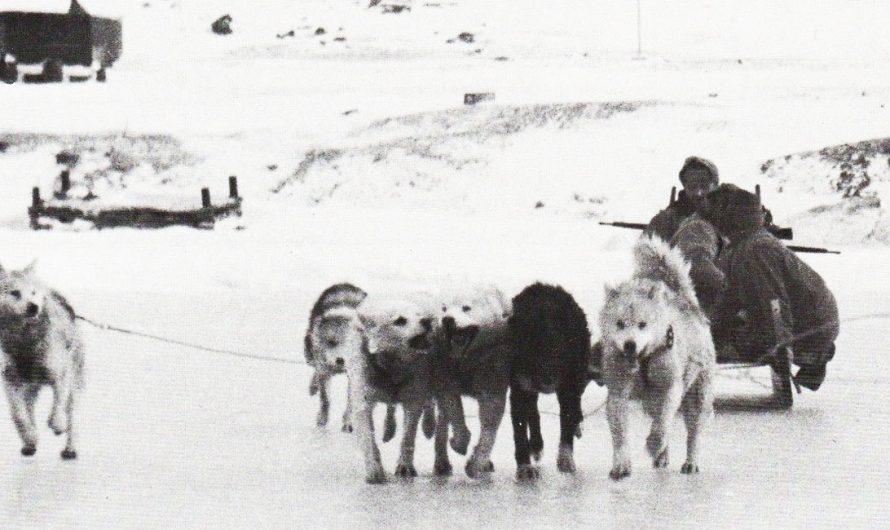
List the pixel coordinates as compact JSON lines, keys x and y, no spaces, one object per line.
{"x":108,"y":327}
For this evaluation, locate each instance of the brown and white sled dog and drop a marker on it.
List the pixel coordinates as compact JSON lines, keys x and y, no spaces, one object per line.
{"x":657,"y":348}
{"x":41,"y":346}
{"x":329,"y":338}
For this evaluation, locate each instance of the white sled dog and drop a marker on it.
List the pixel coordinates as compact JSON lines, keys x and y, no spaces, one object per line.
{"x":391,"y":366}
{"x":657,"y":349}
{"x":40,"y":346}
{"x":330,"y":339}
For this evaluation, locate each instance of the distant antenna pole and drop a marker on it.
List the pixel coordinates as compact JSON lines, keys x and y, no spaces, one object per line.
{"x":639,"y":30}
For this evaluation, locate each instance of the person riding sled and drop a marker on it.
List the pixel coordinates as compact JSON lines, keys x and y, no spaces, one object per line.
{"x":698,"y":177}
{"x":758,"y":269}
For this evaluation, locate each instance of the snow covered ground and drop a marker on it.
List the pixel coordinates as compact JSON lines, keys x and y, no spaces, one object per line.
{"x":357,"y":161}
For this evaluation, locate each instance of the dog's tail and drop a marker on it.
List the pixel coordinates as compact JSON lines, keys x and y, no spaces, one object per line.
{"x":656,"y":260}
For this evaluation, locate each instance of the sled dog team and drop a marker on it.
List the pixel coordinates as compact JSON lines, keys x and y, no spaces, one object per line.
{"x":425,"y":353}
{"x":423,"y":350}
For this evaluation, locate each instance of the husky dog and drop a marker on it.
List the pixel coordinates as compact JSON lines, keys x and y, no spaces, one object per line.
{"x":392,"y":366}
{"x":550,"y":341}
{"x":329,"y":333}
{"x":41,"y":345}
{"x":472,"y":358}
{"x":328,"y":339}
{"x":657,"y":348}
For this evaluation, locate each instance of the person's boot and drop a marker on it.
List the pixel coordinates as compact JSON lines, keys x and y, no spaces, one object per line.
{"x":811,"y":376}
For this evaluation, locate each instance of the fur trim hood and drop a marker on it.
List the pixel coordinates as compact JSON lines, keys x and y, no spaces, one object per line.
{"x":731,"y":209}
{"x":695,"y":162}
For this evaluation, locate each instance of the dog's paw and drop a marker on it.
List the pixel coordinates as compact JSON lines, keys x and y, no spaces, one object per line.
{"x":661,"y":460}
{"x":69,"y":454}
{"x":322,"y":419}
{"x":527,"y":473}
{"x":442,"y":468}
{"x":405,"y":471}
{"x":475,"y":468}
{"x":389,"y":428}
{"x":565,"y":460}
{"x":654,"y":444}
{"x":376,"y":475}
{"x":620,"y":470}
{"x":460,"y":442}
{"x":28,"y":450}
{"x":58,"y":423}
{"x":689,"y":468}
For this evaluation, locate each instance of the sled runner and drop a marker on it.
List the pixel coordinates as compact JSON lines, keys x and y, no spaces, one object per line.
{"x":779,"y":359}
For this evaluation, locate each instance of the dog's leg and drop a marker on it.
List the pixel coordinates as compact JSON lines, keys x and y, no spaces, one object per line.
{"x":405,"y":467}
{"x":442,"y":466}
{"x":389,"y":423}
{"x":347,"y":413}
{"x":657,"y":441}
{"x":62,"y":387}
{"x":313,"y":383}
{"x":569,"y":417}
{"x":70,"y":451}
{"x":17,"y":396}
{"x":521,"y":404}
{"x":31,"y":393}
{"x":324,"y":401}
{"x":428,"y":421}
{"x":616,"y":413}
{"x":453,"y":410}
{"x":491,"y":410}
{"x":695,"y":411}
{"x":536,"y":441}
{"x":363,"y":421}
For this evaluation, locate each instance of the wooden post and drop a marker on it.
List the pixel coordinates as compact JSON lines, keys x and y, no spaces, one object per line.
{"x":205,"y":197}
{"x":233,"y":187}
{"x":66,"y":180}
{"x":35,"y":197}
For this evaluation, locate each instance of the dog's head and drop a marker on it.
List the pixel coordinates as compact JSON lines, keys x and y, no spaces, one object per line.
{"x":633,"y":318}
{"x":399,"y":328}
{"x":334,"y":337}
{"x":467,"y":315}
{"x":21,"y":295}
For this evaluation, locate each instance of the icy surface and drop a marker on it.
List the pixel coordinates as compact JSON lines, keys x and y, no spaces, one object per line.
{"x":409,"y":189}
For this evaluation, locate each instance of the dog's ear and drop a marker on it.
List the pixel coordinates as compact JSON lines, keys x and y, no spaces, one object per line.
{"x":29,"y":270}
{"x":653,"y":291}
{"x":657,"y":290}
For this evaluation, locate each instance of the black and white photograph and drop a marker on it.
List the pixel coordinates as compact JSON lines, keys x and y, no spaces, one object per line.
{"x":502,"y":264}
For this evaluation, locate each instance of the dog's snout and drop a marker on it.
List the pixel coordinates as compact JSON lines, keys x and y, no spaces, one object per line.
{"x":339,"y":361}
{"x":427,"y":323}
{"x":449,"y":324}
{"x":32,"y":309}
{"x":630,"y":348}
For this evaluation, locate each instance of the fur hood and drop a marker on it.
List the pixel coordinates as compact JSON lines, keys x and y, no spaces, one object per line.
{"x":732,"y":210}
{"x":700,"y":163}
